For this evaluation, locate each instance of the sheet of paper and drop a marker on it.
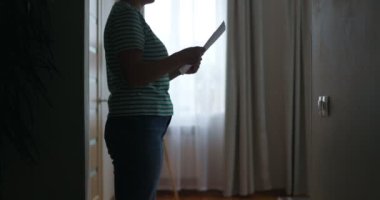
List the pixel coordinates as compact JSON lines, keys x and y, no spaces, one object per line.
{"x":214,"y":37}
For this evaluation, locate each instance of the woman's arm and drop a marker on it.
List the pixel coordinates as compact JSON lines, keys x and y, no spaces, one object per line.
{"x":138,"y":72}
{"x":174,"y":74}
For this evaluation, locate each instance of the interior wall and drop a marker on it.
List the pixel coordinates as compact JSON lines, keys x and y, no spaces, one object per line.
{"x":60,"y":169}
{"x":345,"y":50}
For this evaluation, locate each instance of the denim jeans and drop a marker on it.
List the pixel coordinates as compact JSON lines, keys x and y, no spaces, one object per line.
{"x":135,"y":145}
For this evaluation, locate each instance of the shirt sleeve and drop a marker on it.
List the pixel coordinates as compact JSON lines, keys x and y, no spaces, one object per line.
{"x":128,"y":30}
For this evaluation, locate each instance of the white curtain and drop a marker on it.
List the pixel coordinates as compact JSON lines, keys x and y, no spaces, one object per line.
{"x":196,"y":134}
{"x":266,"y":102}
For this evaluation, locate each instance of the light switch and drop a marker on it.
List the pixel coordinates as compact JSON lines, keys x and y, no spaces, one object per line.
{"x":323,"y":106}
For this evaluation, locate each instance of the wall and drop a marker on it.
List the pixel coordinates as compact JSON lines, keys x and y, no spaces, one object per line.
{"x":345,"y":67}
{"x":60,"y":171}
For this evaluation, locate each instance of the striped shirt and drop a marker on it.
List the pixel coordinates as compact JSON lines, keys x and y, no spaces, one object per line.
{"x":126,"y":29}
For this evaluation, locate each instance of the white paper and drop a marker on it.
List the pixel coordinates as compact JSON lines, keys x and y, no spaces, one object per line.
{"x":214,"y":37}
{"x":184,"y":69}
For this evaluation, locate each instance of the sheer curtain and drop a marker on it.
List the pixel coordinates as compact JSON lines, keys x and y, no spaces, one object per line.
{"x":195,"y":137}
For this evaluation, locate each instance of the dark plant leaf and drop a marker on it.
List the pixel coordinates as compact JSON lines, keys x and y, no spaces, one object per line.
{"x":26,"y":55}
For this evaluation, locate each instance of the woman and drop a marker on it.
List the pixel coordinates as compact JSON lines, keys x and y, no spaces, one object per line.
{"x":138,"y":72}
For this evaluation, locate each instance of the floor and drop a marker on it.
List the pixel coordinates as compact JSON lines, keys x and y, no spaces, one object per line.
{"x":214,"y":195}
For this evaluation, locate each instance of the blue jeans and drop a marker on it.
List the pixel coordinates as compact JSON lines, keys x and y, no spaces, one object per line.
{"x":135,"y":145}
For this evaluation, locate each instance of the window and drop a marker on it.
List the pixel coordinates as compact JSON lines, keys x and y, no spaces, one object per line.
{"x":195,"y":136}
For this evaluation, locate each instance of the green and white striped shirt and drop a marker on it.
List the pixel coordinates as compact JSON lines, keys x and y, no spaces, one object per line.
{"x":126,"y":29}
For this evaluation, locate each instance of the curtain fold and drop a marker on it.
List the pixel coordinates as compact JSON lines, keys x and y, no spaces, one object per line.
{"x":245,"y":84}
{"x":300,"y":98}
{"x":265,"y":132}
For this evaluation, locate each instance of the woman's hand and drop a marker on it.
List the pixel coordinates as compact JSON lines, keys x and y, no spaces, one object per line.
{"x":194,"y":68}
{"x":190,"y":56}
